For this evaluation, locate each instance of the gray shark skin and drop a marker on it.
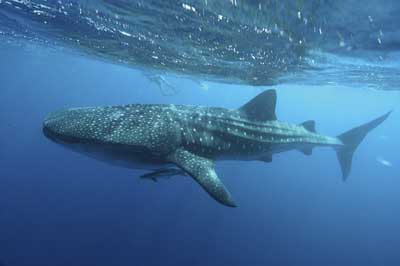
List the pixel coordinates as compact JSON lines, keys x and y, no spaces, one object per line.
{"x":192,"y":138}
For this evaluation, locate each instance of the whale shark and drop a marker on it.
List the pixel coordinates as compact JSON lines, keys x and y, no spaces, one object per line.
{"x":170,"y":139}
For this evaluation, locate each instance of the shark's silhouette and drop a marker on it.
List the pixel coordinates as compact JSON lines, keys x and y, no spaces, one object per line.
{"x":192,"y":138}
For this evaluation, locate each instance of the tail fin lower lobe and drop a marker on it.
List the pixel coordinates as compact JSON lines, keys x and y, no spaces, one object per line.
{"x":351,"y":139}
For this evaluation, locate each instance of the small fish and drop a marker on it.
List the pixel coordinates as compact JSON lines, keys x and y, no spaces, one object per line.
{"x":204,"y":86}
{"x":383,"y":137}
{"x":383,"y":161}
{"x":162,"y":173}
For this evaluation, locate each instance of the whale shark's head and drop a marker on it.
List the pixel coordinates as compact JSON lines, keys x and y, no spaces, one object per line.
{"x":109,"y":134}
{"x":69,"y":126}
{"x":96,"y":125}
{"x":128,"y":129}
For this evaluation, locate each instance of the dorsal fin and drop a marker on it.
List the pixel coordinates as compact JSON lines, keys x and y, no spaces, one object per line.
{"x":309,"y":125}
{"x":261,"y":107}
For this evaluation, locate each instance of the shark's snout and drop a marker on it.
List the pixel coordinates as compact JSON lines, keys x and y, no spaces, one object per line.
{"x":52,"y":124}
{"x":57,"y":126}
{"x":47,"y":131}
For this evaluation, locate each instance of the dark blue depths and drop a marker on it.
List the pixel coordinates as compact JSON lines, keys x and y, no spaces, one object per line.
{"x":60,"y":208}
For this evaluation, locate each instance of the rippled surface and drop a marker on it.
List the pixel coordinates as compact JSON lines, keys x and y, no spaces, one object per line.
{"x":377,"y":73}
{"x":249,"y":42}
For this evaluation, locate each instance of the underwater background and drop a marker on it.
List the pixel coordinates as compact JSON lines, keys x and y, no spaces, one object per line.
{"x":336,"y":62}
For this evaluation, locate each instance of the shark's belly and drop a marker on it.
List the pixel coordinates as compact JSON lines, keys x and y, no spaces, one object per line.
{"x":122,"y":156}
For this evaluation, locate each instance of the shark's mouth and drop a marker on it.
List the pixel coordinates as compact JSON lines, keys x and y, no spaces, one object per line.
{"x":51,"y":132}
{"x":59,"y":138}
{"x":48,"y":129}
{"x":48,"y":133}
{"x":54,"y":123}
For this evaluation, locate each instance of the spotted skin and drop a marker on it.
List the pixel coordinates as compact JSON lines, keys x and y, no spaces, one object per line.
{"x":189,"y":137}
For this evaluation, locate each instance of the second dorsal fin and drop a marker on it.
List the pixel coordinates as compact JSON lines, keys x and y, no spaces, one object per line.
{"x":261,"y":107}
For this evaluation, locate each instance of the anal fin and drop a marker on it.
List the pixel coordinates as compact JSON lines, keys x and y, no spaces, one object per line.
{"x":306,"y":151}
{"x":266,"y":158}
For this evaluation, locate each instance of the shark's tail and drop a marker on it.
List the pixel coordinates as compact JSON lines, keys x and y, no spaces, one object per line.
{"x":351,"y":139}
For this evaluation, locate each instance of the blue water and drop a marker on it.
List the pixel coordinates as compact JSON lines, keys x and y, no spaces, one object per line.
{"x":61,"y":208}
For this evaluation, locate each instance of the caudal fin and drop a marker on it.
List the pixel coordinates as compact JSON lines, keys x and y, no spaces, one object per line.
{"x":351,"y":139}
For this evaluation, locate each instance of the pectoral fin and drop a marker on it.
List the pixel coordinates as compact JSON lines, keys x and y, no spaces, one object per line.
{"x":202,"y":170}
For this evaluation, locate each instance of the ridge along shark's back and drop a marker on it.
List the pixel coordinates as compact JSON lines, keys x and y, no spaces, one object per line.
{"x":193,"y":137}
